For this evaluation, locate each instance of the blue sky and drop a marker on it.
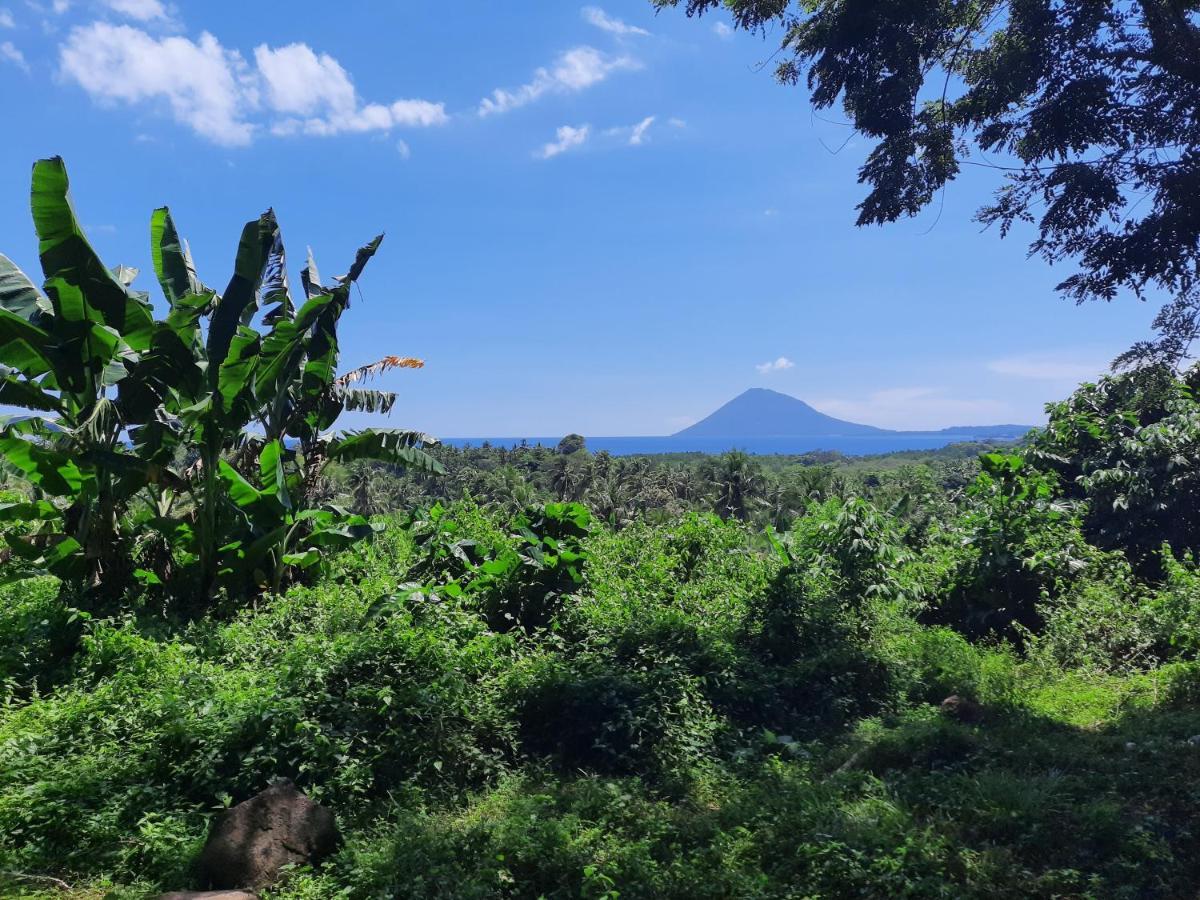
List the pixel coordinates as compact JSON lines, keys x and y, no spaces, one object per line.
{"x":598,"y":219}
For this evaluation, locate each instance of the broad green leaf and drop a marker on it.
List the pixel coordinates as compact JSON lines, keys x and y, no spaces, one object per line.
{"x":172,"y":263}
{"x":240,"y":301}
{"x":235,"y":375}
{"x":18,"y":391}
{"x":241,"y":492}
{"x":387,"y":445}
{"x":18,"y":294}
{"x":24,"y":346}
{"x":33,"y":511}
{"x":52,"y":471}
{"x":305,"y":560}
{"x":273,"y":476}
{"x":68,"y":258}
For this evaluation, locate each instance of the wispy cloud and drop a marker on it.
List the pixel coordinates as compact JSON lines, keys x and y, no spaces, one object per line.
{"x":915,"y":408}
{"x":214,"y":91}
{"x":632,"y":135}
{"x":775,"y":365}
{"x":1047,"y":368}
{"x":596,"y":16}
{"x":573,"y":71}
{"x":723,"y":31}
{"x":403,"y":149}
{"x":10,"y":54}
{"x":6,"y":19}
{"x":568,"y":138}
{"x":638,"y":136}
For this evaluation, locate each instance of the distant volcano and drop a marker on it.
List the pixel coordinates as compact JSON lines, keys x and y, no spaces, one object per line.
{"x":760,"y":413}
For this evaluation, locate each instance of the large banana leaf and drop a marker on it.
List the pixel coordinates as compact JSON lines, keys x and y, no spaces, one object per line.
{"x":386,"y":445}
{"x":43,"y":467}
{"x":275,"y":291}
{"x":24,"y":346}
{"x":172,"y":262}
{"x":235,"y":377}
{"x":310,"y":278}
{"x":19,"y":295}
{"x":68,"y":259}
{"x":272,"y":474}
{"x":239,"y":303}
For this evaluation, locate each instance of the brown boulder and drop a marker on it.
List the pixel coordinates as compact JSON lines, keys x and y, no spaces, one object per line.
{"x":251,"y":842}
{"x":208,"y":895}
{"x":962,"y":709}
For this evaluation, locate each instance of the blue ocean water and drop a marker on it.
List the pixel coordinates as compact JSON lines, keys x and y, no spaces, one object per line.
{"x":636,"y":446}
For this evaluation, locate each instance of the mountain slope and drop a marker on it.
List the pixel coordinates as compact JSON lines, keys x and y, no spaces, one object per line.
{"x":762,"y":413}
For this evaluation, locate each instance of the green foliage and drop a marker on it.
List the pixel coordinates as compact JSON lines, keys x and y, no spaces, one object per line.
{"x":1014,"y":546}
{"x":708,"y":716}
{"x":521,"y":581}
{"x":185,"y":390}
{"x":1130,"y":446}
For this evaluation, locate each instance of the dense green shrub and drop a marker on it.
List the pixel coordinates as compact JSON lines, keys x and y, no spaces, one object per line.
{"x":1015,"y":546}
{"x":1130,"y":446}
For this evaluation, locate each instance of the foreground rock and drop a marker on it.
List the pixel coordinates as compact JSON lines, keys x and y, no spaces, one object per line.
{"x":252,"y":842}
{"x":208,"y":895}
{"x":962,"y":709}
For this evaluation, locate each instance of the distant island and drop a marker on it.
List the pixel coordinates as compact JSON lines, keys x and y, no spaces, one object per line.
{"x":760,"y":413}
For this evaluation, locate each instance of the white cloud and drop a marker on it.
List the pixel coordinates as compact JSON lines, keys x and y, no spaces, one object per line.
{"x":60,"y":6}
{"x":777,"y":365}
{"x":602,"y":20}
{"x":916,"y":409}
{"x":723,"y":31}
{"x":403,"y":149}
{"x":220,"y":96}
{"x":9,"y":53}
{"x":573,"y":71}
{"x":6,"y":19}
{"x":142,"y":10}
{"x":1046,"y":368}
{"x":203,"y":84}
{"x":638,"y":136}
{"x":300,"y":82}
{"x":676,"y":122}
{"x":568,"y":138}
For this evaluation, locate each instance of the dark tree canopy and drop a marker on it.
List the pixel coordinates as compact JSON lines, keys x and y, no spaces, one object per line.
{"x":572,"y":443}
{"x":1090,"y":109}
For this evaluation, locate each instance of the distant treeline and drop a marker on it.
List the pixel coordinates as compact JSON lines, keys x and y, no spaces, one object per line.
{"x":765,"y":490}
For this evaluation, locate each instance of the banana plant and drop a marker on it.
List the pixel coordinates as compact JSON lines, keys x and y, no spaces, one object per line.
{"x":65,"y":351}
{"x":116,"y":402}
{"x":215,"y":393}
